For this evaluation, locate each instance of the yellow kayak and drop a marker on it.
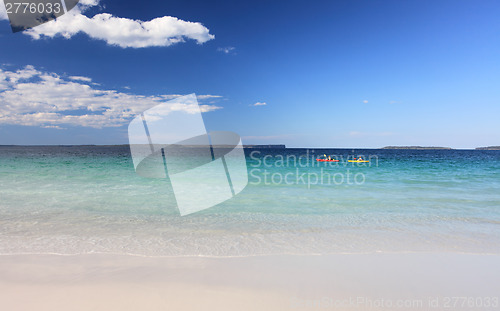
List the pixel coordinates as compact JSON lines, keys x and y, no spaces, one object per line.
{"x":357,"y":161}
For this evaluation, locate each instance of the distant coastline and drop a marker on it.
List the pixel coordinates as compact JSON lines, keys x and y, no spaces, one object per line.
{"x":489,"y":148}
{"x":270,"y":147}
{"x":417,"y":148}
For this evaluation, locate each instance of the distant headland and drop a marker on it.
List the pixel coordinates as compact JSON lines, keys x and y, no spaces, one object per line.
{"x":417,"y":148}
{"x":489,"y":148}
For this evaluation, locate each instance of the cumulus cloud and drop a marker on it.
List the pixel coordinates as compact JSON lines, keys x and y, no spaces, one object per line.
{"x":259,"y":104}
{"x":122,"y":32}
{"x":79,"y":78}
{"x":88,"y":3}
{"x":32,"y":97}
{"x":365,"y":102}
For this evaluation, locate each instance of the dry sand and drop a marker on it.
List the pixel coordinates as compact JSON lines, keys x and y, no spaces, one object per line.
{"x":284,"y":282}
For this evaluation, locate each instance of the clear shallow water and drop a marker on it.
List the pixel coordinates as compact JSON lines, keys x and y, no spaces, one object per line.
{"x":86,"y":199}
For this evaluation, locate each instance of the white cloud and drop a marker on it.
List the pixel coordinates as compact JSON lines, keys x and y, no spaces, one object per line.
{"x":3,"y":12}
{"x":79,"y":78}
{"x":34,"y":98}
{"x":89,"y":3}
{"x":365,"y":102}
{"x":259,"y":104}
{"x":57,"y":127}
{"x":122,"y":32}
{"x":227,"y":49}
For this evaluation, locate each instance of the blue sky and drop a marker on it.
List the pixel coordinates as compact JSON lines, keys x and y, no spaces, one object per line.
{"x":332,"y":73}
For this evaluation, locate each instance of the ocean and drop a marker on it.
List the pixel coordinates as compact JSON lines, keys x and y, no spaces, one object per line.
{"x":89,"y":199}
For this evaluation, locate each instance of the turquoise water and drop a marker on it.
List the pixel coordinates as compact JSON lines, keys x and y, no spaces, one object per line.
{"x":88,"y":199}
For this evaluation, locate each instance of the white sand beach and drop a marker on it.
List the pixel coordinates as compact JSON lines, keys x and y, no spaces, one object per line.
{"x":414,"y":281}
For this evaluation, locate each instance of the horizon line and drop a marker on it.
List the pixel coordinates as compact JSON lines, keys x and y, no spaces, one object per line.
{"x":268,"y":146}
